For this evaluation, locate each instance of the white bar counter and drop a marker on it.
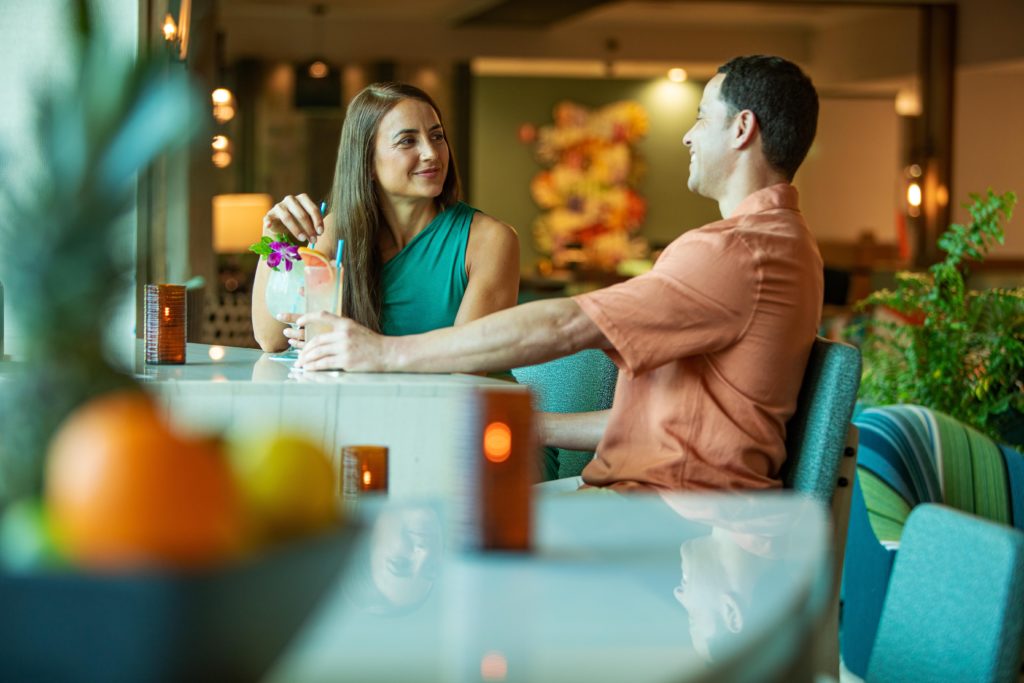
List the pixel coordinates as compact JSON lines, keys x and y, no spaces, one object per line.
{"x":723,"y":588}
{"x":423,"y":419}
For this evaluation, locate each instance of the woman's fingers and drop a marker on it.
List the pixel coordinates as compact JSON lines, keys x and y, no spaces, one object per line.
{"x":298,"y":215}
{"x":313,"y":211}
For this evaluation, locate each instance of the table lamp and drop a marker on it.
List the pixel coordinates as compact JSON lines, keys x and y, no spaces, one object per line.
{"x":238,"y":221}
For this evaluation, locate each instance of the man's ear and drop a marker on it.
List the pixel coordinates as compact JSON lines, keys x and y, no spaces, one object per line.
{"x":744,"y":129}
{"x":731,"y":613}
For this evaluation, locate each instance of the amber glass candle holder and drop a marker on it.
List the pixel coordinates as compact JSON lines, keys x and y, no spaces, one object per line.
{"x":166,"y":314}
{"x":364,"y":469}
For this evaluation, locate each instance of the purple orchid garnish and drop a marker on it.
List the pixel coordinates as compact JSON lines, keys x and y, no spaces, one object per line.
{"x":282,"y":252}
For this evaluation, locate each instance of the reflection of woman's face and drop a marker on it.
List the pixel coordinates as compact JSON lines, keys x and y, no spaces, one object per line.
{"x":404,"y":554}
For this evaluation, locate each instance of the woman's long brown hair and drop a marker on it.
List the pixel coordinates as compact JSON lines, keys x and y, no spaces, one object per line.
{"x":355,"y":205}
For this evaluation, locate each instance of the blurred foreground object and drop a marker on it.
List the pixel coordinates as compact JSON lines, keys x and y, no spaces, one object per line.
{"x":69,"y":241}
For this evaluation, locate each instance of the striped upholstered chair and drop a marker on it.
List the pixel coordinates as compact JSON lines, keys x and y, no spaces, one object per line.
{"x":908,"y":455}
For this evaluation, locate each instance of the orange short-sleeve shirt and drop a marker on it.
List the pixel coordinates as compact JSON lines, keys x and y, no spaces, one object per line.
{"x":711,"y":346}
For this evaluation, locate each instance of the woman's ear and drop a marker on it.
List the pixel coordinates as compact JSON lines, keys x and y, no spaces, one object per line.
{"x":744,"y":126}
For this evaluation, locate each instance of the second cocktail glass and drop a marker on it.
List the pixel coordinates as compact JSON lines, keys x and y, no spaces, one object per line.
{"x":323,"y":291}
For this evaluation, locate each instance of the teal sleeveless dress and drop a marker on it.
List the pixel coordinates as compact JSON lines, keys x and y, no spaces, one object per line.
{"x":424,"y":283}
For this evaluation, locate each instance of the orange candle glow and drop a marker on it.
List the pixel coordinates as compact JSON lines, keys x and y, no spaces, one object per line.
{"x":363,"y":469}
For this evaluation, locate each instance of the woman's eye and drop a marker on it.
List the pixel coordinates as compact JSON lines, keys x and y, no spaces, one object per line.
{"x":438,"y":137}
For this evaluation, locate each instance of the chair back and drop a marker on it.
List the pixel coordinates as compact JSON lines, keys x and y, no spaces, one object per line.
{"x":954,"y":610}
{"x":816,"y":434}
{"x":579,"y":383}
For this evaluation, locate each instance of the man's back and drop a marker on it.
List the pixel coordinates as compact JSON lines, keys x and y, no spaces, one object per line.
{"x":712,"y":346}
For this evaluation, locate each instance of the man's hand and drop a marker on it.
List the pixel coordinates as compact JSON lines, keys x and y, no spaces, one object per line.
{"x":346,"y":345}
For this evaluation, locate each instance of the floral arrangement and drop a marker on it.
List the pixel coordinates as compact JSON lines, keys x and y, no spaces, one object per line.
{"x":278,"y":250}
{"x":591,"y":208}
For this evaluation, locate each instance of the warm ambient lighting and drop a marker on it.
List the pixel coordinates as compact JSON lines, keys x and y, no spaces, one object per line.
{"x":318,"y":69}
{"x":170,"y":29}
{"x":223,"y":105}
{"x":914,"y":195}
{"x":497,"y":442}
{"x":221,"y":151}
{"x":908,"y":102}
{"x":176,"y":31}
{"x":238,"y":220}
{"x":677,"y":75}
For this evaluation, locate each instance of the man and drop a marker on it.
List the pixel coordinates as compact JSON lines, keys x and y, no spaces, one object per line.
{"x":711,"y":344}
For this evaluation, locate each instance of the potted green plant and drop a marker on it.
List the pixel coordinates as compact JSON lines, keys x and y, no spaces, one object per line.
{"x":67,"y":232}
{"x":932,"y":341}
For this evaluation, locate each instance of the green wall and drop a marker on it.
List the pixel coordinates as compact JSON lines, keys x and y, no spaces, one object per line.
{"x":502,"y":167}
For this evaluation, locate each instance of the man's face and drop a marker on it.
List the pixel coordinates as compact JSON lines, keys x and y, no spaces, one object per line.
{"x":708,"y":142}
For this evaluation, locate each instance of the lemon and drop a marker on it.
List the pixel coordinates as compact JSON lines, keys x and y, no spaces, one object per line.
{"x":287,"y":484}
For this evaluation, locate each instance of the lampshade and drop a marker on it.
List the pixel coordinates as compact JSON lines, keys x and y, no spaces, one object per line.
{"x":238,"y":221}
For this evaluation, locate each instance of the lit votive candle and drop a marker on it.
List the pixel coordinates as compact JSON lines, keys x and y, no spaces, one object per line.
{"x":166,"y":317}
{"x":363,"y":469}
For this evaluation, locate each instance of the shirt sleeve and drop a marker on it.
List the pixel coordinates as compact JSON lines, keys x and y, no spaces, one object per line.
{"x":698,"y":298}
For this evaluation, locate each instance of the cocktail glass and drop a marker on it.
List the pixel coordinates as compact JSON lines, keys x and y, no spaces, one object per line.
{"x":323,"y":293}
{"x":285,"y":293}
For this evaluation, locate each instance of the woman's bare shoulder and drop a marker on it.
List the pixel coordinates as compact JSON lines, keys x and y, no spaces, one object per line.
{"x":487,"y":228}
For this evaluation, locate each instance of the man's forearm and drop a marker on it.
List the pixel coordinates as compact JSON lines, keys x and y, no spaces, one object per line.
{"x":575,"y":431}
{"x":523,"y":335}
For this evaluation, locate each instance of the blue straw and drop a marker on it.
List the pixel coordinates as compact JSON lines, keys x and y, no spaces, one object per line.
{"x":337,"y":272}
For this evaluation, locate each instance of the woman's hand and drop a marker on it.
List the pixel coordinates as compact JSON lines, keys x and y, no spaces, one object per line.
{"x":296,"y":335}
{"x":346,"y":345}
{"x":298,"y":215}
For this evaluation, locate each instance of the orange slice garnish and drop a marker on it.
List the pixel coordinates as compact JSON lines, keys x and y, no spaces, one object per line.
{"x":312,"y":258}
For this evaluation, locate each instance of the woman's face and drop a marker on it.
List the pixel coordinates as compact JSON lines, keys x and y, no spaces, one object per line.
{"x":410,"y":152}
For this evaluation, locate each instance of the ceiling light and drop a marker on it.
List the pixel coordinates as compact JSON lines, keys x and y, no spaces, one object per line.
{"x":677,"y":75}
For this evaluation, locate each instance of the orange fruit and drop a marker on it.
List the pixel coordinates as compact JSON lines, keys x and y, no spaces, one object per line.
{"x":124,"y":490}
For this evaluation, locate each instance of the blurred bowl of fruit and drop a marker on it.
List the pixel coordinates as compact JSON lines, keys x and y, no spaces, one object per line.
{"x":154,"y":555}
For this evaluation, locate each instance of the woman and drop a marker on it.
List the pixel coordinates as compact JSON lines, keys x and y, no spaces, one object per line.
{"x":416,"y":258}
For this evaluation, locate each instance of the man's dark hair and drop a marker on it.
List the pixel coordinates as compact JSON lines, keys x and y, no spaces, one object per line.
{"x":784,"y":101}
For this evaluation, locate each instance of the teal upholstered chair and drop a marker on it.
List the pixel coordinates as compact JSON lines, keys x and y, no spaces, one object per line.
{"x":955,"y":606}
{"x":817,"y":434}
{"x":908,"y":456}
{"x":821,"y":450}
{"x":582,"y":382}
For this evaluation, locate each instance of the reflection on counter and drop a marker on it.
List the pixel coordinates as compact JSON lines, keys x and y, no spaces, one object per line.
{"x":723,"y":573}
{"x":397,"y":571}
